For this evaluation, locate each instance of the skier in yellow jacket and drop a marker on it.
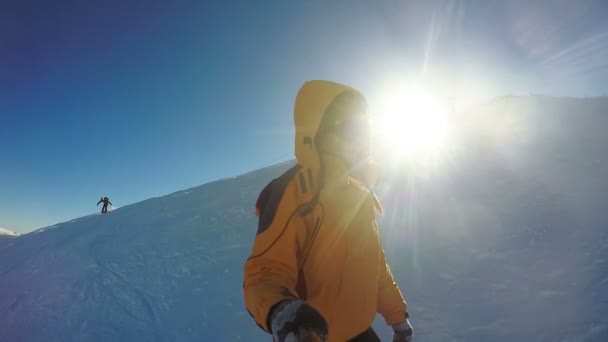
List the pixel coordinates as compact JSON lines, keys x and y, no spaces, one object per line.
{"x":317,"y":271}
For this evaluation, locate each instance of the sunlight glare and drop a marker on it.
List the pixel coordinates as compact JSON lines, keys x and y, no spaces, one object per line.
{"x":411,"y":123}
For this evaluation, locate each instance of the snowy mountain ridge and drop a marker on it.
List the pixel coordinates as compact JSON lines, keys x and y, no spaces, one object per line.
{"x":6,"y":232}
{"x":505,"y":241}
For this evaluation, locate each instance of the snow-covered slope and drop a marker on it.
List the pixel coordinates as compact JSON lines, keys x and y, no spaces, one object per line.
{"x":165,"y":269}
{"x":506,"y":240}
{"x":5,"y":232}
{"x":6,"y":237}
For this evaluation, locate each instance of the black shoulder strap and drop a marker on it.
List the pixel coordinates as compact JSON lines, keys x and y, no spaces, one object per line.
{"x":270,"y":197}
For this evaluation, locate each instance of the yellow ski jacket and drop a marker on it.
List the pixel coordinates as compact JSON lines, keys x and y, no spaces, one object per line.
{"x":320,"y":245}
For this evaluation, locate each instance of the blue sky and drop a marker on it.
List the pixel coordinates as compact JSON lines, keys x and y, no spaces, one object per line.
{"x":134,"y":99}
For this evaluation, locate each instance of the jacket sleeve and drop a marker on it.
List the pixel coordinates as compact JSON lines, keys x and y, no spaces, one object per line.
{"x":270,"y":273}
{"x":391,"y":304}
{"x":99,"y":202}
{"x":110,"y":203}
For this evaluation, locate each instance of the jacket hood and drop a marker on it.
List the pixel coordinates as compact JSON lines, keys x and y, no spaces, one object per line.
{"x":313,"y":101}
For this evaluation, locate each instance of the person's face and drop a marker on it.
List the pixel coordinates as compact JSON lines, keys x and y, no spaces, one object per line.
{"x":351,"y":139}
{"x":347,"y":132}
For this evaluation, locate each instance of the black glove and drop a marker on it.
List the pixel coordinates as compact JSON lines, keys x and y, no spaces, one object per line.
{"x":295,"y":321}
{"x":403,"y":332}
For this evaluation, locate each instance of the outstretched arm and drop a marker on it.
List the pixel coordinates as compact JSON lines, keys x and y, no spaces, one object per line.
{"x":99,"y":202}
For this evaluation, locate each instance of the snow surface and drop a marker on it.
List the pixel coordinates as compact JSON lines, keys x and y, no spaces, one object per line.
{"x":504,"y":241}
{"x":6,"y":232}
{"x":7,"y":238}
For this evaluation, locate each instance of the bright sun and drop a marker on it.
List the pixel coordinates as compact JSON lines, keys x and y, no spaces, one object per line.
{"x":410,"y":123}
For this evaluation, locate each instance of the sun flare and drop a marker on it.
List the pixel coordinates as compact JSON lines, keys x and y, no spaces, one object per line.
{"x":411,"y":123}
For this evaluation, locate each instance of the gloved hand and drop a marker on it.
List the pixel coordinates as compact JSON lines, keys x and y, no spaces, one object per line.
{"x":295,"y":321}
{"x":403,"y":332}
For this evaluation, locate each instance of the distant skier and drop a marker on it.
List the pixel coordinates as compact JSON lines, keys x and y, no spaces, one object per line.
{"x":317,"y":271}
{"x":105,"y":202}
